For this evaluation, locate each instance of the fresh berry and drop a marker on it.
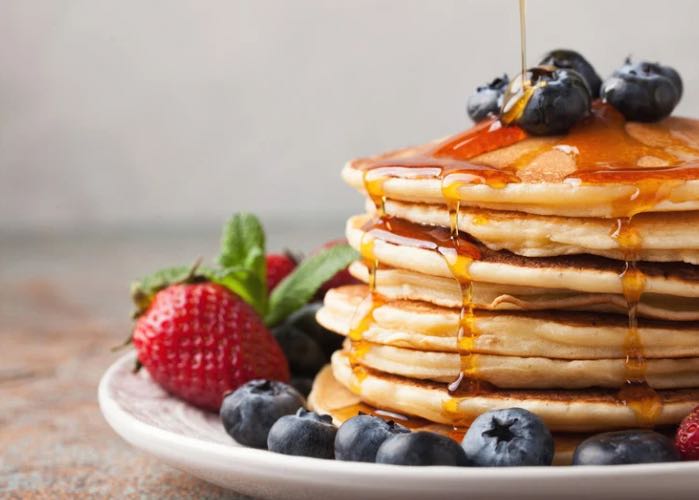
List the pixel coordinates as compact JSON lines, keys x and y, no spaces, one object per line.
{"x":508,"y":437}
{"x":643,"y":91}
{"x":305,"y":320}
{"x":487,"y":99}
{"x":559,"y":98}
{"x":569,"y":59}
{"x":305,"y":434}
{"x":200,"y":341}
{"x":279,"y":266}
{"x":303,"y":353}
{"x":687,"y":438}
{"x":421,"y":448}
{"x":302,"y":384}
{"x":625,"y":447}
{"x":359,"y":438}
{"x":341,"y":278}
{"x":249,"y":412}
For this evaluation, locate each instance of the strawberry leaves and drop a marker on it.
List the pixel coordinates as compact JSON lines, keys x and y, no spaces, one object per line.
{"x":243,"y":270}
{"x":142,"y":291}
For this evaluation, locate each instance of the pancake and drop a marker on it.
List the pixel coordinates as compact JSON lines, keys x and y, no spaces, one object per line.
{"x":664,"y":237}
{"x":517,"y":372}
{"x":402,"y":248}
{"x":562,"y":335}
{"x":589,"y":410}
{"x":329,"y":397}
{"x":396,"y":284}
{"x":603,"y":167}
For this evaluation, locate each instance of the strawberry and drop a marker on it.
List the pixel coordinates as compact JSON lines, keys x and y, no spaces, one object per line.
{"x":687,"y":437}
{"x":279,"y":266}
{"x":341,"y":278}
{"x":200,"y":341}
{"x":201,"y":332}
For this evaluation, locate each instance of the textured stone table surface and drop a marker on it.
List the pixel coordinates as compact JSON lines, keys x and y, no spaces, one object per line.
{"x":63,"y":304}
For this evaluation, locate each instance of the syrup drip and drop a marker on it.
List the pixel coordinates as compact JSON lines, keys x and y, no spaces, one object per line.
{"x":458,"y":254}
{"x":466,"y":335}
{"x":401,"y":232}
{"x":636,"y":393}
{"x":411,"y":422}
{"x":364,"y":315}
{"x":451,"y":182}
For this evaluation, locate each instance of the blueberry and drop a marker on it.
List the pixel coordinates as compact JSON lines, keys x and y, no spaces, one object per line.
{"x":303,"y":353}
{"x":509,"y":437}
{"x":359,"y":438}
{"x":305,"y":434}
{"x":643,"y":91}
{"x":303,"y":385}
{"x":421,"y":448}
{"x":487,"y":100}
{"x":569,"y":59}
{"x":305,"y":319}
{"x":249,"y":412}
{"x":559,"y":98}
{"x":626,"y":447}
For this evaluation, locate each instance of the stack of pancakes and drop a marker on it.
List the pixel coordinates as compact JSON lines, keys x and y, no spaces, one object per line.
{"x":555,"y":274}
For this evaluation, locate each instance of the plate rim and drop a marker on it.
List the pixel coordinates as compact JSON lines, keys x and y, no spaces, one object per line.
{"x":296,"y":466}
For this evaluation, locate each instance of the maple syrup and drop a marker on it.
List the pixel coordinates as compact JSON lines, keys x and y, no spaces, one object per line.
{"x":458,"y":254}
{"x":520,"y":90}
{"x":408,"y":421}
{"x":364,"y":315}
{"x":645,"y":402}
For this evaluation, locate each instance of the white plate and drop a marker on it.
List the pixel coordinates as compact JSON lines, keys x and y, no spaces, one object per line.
{"x":194,"y":441}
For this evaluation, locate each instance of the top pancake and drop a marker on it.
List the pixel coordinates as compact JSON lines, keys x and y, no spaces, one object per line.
{"x":603,"y":167}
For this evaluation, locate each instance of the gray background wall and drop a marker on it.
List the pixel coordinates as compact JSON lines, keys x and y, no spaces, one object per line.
{"x":143,"y":112}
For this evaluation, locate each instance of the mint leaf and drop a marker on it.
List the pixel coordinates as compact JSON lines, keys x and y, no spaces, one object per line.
{"x":242,"y":260}
{"x":243,"y":243}
{"x":298,"y":288}
{"x":245,"y":283}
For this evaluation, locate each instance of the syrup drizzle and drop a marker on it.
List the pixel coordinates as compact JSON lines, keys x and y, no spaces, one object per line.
{"x":523,"y":33}
{"x":364,"y":315}
{"x":643,"y":400}
{"x":458,"y":254}
{"x":520,"y":89}
{"x":409,"y":421}
{"x":459,"y":262}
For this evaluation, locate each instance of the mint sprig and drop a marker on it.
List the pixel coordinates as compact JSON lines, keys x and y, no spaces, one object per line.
{"x":242,"y":268}
{"x":242,"y":260}
{"x":243,"y":244}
